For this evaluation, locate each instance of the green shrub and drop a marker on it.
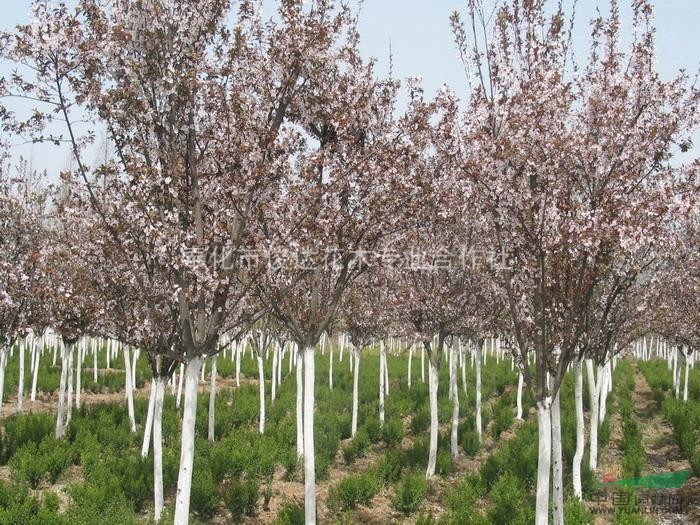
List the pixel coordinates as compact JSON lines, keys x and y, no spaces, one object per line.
{"x":357,"y":447}
{"x":443,"y":463}
{"x":241,"y":498}
{"x":392,"y":432}
{"x":204,"y":495}
{"x":508,"y":502}
{"x":604,"y":431}
{"x":410,"y":493}
{"x":462,"y":499}
{"x":389,"y":467}
{"x":420,"y":421}
{"x":470,"y":442}
{"x":502,"y":419}
{"x":353,"y":489}
{"x":28,"y":465}
{"x":373,"y":429}
{"x":576,"y":513}
{"x":290,"y":514}
{"x":23,"y":429}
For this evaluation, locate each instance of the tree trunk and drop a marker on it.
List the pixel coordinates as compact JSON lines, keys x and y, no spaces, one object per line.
{"x":147,"y":431}
{"x":381,"y":384}
{"x":519,"y":398}
{"x":410,"y":358}
{"x":69,"y":405}
{"x":685,"y":381}
{"x":261,"y":385}
{"x":386,"y":371}
{"x":35,"y":373}
{"x":422,"y":365}
{"x":544,"y":457}
{"x":433,"y":378}
{"x":79,"y":374}
{"x":60,"y":423}
{"x":477,"y":366}
{"x":20,"y":380}
{"x":159,"y":385}
{"x":300,"y":402}
{"x":309,"y":454}
{"x":184,"y":480}
{"x":94,"y":363}
{"x":455,"y":405}
{"x":212,"y":399}
{"x":330,"y":367}
{"x":355,"y":390}
{"x":557,"y":466}
{"x":593,"y":402}
{"x":129,"y":389}
{"x":180,"y":381}
{"x":273,"y":383}
{"x":580,"y":441}
{"x":603,"y":394}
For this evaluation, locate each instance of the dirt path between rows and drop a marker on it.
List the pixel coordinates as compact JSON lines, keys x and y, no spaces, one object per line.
{"x":662,"y":455}
{"x":662,"y":452}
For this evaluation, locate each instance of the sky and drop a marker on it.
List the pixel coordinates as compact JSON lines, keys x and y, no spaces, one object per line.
{"x":418,"y":34}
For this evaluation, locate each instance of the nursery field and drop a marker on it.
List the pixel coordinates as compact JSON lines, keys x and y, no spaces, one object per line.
{"x":96,"y":473}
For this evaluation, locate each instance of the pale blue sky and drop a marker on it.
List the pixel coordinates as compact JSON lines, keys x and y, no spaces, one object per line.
{"x":422,"y":44}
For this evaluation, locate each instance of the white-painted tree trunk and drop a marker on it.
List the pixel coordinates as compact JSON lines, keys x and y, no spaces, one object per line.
{"x":602,"y":395}
{"x":330,"y":367}
{"x":454,"y":437}
{"x":273,"y":382}
{"x":300,"y":403}
{"x":159,"y":384}
{"x":408,"y":373}
{"x":147,"y":431}
{"x":386,"y":372}
{"x":239,"y":349}
{"x":3,"y":363}
{"x":309,"y":453}
{"x":133,"y":367}
{"x":519,"y":397}
{"x":20,"y":379}
{"x":355,"y":389}
{"x":79,"y":375}
{"x":129,"y":388}
{"x":180,"y":380}
{"x":261,"y":390}
{"x":422,"y":365}
{"x":189,"y":415}
{"x":557,"y":464}
{"x":544,"y":457}
{"x":212,"y":400}
{"x":35,"y":373}
{"x":94,"y":363}
{"x":381,"y":384}
{"x":433,"y":378}
{"x":685,"y":381}
{"x":69,"y":405}
{"x":593,"y":402}
{"x":477,"y":365}
{"x":580,"y":441}
{"x":60,"y":422}
{"x":464,"y":370}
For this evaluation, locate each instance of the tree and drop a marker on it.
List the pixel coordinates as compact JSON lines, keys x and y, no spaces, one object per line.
{"x":571,"y":168}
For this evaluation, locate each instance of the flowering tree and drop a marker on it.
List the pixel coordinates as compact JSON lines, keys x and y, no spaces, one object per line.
{"x":572,"y":171}
{"x":21,"y":239}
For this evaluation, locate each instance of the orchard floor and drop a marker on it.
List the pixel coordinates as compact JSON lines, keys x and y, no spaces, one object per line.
{"x":662,"y":455}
